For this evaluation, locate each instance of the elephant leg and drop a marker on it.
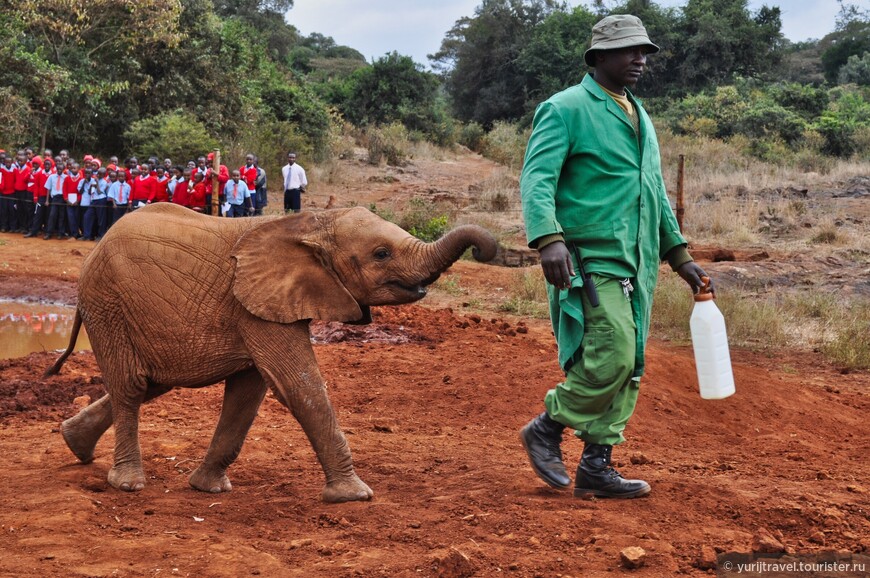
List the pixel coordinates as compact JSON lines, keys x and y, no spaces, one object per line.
{"x":243,"y":395}
{"x":82,"y":431}
{"x":127,"y":473}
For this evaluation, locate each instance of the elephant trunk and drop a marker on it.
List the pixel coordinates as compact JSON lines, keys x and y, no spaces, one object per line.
{"x":441,"y":254}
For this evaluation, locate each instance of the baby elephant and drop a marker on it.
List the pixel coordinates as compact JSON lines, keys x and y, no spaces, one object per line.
{"x":241,"y":293}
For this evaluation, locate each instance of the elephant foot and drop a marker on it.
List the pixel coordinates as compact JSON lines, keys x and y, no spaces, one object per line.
{"x":350,"y":489}
{"x":127,"y":478}
{"x":210,"y":481}
{"x":82,"y":431}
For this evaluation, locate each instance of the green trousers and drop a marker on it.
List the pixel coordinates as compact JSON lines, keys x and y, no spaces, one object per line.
{"x":599,"y":395}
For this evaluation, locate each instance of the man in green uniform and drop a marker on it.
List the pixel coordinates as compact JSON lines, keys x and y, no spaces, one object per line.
{"x":592,"y":189}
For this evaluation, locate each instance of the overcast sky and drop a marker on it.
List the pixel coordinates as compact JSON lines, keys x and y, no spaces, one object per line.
{"x":416,"y":27}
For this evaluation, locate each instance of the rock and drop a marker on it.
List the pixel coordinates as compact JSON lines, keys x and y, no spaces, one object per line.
{"x":817,"y":537}
{"x":82,"y":401}
{"x":452,"y":564}
{"x":707,"y":559}
{"x":639,"y":459}
{"x":763,"y":541}
{"x":300,"y":543}
{"x":632,"y":557}
{"x":383,"y":425}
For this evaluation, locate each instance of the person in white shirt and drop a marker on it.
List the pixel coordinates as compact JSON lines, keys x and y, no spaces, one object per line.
{"x":294,"y":184}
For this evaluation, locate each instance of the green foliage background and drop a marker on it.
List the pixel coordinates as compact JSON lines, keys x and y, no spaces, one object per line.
{"x":194,"y":74}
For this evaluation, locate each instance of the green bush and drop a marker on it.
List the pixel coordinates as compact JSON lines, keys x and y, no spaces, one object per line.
{"x":423,"y":220}
{"x":389,"y":143}
{"x":177,"y":134}
{"x":472,"y":136}
{"x":506,"y":144}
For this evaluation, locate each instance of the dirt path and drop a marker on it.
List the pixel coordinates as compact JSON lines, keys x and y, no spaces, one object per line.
{"x":432,"y":408}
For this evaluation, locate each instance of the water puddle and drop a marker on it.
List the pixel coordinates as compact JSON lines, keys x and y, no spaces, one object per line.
{"x":29,"y":327}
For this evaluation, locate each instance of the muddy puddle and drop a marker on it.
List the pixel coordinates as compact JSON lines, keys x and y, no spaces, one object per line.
{"x":29,"y":327}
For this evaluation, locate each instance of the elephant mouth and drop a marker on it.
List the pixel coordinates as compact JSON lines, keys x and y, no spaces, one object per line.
{"x":414,"y":292}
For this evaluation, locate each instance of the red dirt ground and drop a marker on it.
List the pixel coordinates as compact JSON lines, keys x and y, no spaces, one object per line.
{"x":431,"y":405}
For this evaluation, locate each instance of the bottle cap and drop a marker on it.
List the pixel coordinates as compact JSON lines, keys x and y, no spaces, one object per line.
{"x":704,"y":294}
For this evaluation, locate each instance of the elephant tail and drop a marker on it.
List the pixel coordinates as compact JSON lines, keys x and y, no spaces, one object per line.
{"x":74,"y":334}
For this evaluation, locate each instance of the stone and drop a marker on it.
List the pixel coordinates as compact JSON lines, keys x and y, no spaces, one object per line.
{"x":764,"y":541}
{"x":82,"y":401}
{"x":707,"y":559}
{"x":632,"y":557}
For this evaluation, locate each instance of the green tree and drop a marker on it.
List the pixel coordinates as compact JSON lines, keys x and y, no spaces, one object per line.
{"x":479,"y":58}
{"x":720,"y":39}
{"x":855,"y":71}
{"x":394,"y":88}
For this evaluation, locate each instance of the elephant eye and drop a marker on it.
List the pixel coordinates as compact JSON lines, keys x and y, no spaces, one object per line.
{"x":382,"y":254}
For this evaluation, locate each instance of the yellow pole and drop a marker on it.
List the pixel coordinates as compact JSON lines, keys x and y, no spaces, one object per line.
{"x":215,"y":187}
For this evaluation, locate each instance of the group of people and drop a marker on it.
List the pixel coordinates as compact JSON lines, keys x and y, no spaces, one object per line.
{"x":56,"y":196}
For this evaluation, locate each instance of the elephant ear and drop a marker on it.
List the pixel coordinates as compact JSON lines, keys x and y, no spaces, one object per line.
{"x":283,"y":274}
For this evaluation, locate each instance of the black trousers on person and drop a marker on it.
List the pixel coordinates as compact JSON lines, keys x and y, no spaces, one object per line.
{"x":292,"y":200}
{"x":7,"y":213}
{"x":23,"y":209}
{"x":39,"y":217}
{"x":56,"y":216}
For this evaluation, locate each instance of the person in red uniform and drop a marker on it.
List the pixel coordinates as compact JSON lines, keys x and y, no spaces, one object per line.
{"x":143,"y":187}
{"x":7,"y":196}
{"x":180,"y":187}
{"x":23,"y":197}
{"x":249,"y":174}
{"x":38,"y":176}
{"x":73,"y":200}
{"x":161,"y":187}
{"x":197,"y":193}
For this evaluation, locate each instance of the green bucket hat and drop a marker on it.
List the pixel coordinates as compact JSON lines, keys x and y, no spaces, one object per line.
{"x":617,"y":31}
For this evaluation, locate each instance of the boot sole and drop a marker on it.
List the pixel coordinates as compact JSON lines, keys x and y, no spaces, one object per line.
{"x":535,"y":468}
{"x":584,"y":493}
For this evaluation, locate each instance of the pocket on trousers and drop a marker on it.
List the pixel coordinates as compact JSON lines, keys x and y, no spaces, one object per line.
{"x":598,"y":357}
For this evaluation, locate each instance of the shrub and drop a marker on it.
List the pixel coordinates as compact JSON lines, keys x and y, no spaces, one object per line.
{"x":389,"y":143}
{"x":472,"y":136}
{"x":177,"y":134}
{"x":506,"y":144}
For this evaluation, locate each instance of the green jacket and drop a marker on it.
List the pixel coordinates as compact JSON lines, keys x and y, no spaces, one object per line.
{"x":589,"y":177}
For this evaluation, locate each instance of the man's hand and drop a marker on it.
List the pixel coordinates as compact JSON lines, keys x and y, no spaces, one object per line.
{"x":557,"y":265}
{"x":691,"y":274}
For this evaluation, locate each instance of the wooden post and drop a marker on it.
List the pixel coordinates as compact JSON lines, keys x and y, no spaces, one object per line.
{"x":215,"y":186}
{"x":681,"y":209}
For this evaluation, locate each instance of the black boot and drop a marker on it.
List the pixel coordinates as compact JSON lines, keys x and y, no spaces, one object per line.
{"x":541,"y":437}
{"x":595,"y":477}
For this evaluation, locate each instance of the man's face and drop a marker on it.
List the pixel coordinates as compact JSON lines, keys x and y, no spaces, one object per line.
{"x":122,"y":176}
{"x":167,"y":164}
{"x":64,"y":154}
{"x":21,"y":158}
{"x":236,"y":176}
{"x":200,"y":162}
{"x":291,"y":159}
{"x":28,"y":153}
{"x":160,"y":172}
{"x":249,"y":160}
{"x":621,"y":67}
{"x":113,"y":176}
{"x":74,"y":169}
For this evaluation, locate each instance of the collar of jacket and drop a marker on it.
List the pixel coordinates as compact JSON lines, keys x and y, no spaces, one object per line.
{"x":593,"y":88}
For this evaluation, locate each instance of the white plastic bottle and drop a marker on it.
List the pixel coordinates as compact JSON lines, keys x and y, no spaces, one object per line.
{"x":710,"y":342}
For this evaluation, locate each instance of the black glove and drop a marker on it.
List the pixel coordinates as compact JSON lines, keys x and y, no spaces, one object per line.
{"x":691,"y":274}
